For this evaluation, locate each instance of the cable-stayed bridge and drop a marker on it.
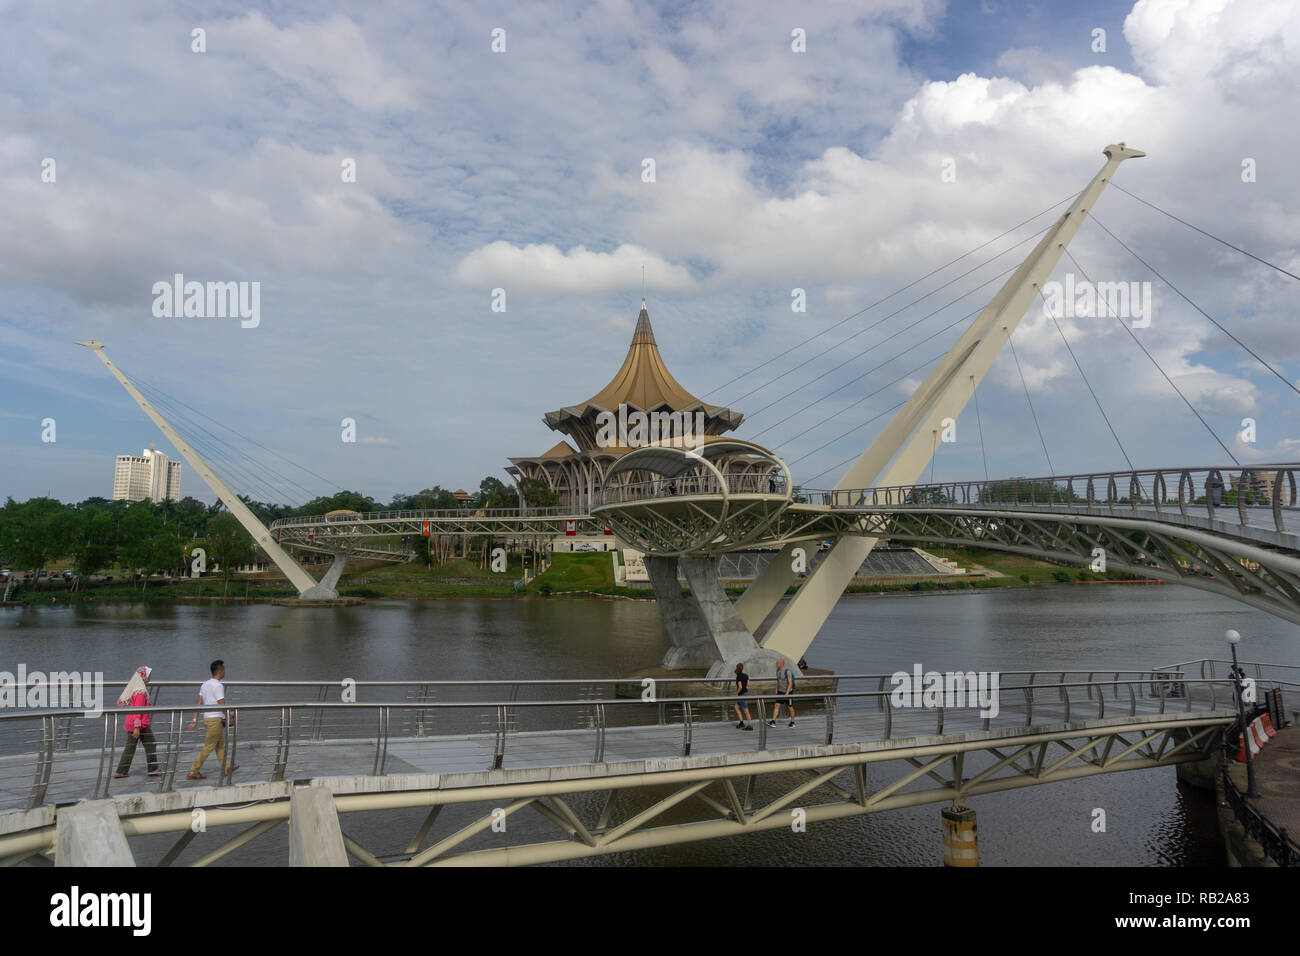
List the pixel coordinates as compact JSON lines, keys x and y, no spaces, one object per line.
{"x":1230,"y":528}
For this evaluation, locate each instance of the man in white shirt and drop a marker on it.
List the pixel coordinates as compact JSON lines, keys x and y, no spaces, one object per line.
{"x":212,"y":694}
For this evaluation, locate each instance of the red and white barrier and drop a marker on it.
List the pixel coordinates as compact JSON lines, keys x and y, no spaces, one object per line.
{"x":1258,"y":733}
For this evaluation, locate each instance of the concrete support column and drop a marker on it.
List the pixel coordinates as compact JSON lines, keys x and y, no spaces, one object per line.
{"x":960,"y":845}
{"x":325,"y":589}
{"x":315,"y":838}
{"x":692,"y":643}
{"x":90,"y":834}
{"x":1203,"y":774}
{"x":706,"y":629}
{"x":730,"y":636}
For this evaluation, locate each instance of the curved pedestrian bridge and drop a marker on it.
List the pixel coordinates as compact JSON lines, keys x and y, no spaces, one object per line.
{"x":857,"y":747}
{"x":1232,"y":531}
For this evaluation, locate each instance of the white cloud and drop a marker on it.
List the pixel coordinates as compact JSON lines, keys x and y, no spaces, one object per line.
{"x":775,"y":170}
{"x":331,"y":55}
{"x":546,"y":268}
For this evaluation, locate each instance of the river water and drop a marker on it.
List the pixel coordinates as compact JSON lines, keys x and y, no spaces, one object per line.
{"x":1151,"y":820}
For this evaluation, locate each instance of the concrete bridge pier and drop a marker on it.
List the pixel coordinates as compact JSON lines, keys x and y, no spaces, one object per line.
{"x":960,"y":844}
{"x":90,"y":834}
{"x":326,"y":588}
{"x":315,"y":838}
{"x":705,"y":626}
{"x":1204,"y":773}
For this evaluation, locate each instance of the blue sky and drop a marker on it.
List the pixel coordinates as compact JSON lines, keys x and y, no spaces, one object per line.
{"x":522,"y":170}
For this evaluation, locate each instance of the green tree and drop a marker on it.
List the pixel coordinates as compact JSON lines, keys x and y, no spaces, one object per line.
{"x":136,"y":533}
{"x":34,"y":533}
{"x":94,"y":542}
{"x":494,"y":493}
{"x":343,"y":501}
{"x":228,"y":544}
{"x":537,"y":494}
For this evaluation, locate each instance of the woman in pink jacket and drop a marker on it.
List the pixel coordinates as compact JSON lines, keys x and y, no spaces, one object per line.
{"x":136,"y":694}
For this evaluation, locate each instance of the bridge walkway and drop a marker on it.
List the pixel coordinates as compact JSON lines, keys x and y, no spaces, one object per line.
{"x":852,"y":719}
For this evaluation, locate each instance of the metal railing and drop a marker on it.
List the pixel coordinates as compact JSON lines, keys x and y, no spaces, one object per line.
{"x":1273,"y":840}
{"x":53,"y":756}
{"x":309,"y":691}
{"x":434,"y":515}
{"x":1206,"y":667}
{"x":691,"y":485}
{"x":1261,"y":492}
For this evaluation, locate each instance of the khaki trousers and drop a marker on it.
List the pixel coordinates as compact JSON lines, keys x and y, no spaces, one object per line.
{"x":214,"y":740}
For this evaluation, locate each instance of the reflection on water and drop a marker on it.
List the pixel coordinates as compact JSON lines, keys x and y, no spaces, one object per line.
{"x":1151,"y":820}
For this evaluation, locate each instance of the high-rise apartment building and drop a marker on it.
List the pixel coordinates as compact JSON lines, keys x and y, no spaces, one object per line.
{"x":151,"y":474}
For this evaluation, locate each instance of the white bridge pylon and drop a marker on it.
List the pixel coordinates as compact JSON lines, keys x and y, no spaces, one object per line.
{"x":900,"y":453}
{"x":308,"y":587}
{"x":897,"y":457}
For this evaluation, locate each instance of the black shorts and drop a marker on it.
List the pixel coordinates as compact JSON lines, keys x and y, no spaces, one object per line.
{"x":784,"y":700}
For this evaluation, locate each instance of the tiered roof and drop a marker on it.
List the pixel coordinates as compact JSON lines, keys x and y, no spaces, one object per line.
{"x":642,"y":383}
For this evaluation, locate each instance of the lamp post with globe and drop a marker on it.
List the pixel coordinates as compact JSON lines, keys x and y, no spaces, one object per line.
{"x":1234,"y":638}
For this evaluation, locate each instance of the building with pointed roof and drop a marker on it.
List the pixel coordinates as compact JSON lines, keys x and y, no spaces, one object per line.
{"x":642,"y":385}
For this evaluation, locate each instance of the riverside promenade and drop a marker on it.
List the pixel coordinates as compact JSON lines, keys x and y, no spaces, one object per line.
{"x":1277,"y":775}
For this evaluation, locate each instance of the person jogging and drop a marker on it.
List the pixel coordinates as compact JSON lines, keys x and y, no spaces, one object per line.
{"x":784,"y":685}
{"x":742,"y":699}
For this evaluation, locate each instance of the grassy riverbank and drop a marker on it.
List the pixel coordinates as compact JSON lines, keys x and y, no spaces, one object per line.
{"x":590,"y":572}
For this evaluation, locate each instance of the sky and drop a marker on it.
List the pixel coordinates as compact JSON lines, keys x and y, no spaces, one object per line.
{"x":841,"y":149}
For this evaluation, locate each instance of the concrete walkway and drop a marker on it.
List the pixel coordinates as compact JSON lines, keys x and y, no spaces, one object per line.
{"x":1277,"y":774}
{"x":75,"y":771}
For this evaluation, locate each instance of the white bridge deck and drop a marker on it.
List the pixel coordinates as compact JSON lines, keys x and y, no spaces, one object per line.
{"x":858,"y":725}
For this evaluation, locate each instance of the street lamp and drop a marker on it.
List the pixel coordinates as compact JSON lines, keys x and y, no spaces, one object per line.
{"x":1234,"y":638}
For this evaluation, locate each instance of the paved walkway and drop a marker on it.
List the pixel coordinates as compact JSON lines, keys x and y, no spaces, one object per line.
{"x":352,"y":752}
{"x":1277,"y":774}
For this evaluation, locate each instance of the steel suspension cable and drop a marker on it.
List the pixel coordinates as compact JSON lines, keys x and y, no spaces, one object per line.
{"x":218,"y":452}
{"x":890,"y":296}
{"x":926,"y":364}
{"x":1217,"y":325}
{"x":892,"y":358}
{"x":873,"y":418}
{"x":1084,"y":376}
{"x":1203,"y":232}
{"x":1155,"y":363}
{"x":881,"y":322}
{"x":975,"y":394}
{"x":251,"y":441}
{"x":874,"y":368}
{"x":212,"y":448}
{"x":870,"y":348}
{"x":1051,"y":470}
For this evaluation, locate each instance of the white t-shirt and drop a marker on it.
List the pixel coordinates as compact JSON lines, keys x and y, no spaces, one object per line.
{"x":211,"y":693}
